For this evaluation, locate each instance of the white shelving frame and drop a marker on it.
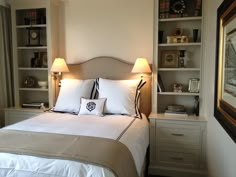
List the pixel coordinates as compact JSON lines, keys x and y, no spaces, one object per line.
{"x":171,"y":46}
{"x":49,"y":46}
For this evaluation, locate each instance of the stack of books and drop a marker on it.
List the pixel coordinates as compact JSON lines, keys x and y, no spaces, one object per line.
{"x":176,"y":110}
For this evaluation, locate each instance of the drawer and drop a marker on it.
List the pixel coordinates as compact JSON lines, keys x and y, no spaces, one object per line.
{"x":183,"y":158}
{"x":178,"y":135}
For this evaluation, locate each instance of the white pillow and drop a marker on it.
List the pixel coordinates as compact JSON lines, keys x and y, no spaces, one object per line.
{"x":92,"y":106}
{"x":122,"y":96}
{"x":71,"y":92}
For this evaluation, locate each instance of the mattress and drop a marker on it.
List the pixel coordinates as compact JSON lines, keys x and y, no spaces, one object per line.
{"x":132,"y":132}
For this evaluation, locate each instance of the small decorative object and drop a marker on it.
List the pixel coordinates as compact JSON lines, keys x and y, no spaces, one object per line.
{"x":195,"y":35}
{"x":169,"y":58}
{"x":194,"y":85}
{"x":196,"y":105}
{"x":177,"y":6}
{"x":44,"y":59}
{"x":43,"y":84}
{"x":34,"y":36}
{"x":36,"y":61}
{"x":178,"y":32}
{"x":30,"y":82}
{"x":160,"y":36}
{"x":177,"y":87}
{"x":177,"y":37}
{"x":181,"y":58}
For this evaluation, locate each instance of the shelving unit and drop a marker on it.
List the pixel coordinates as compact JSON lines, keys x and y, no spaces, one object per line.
{"x":34,"y":47}
{"x":177,"y":141}
{"x":179,"y":75}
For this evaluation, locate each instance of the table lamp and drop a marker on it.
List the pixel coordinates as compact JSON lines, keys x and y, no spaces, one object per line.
{"x":141,"y":66}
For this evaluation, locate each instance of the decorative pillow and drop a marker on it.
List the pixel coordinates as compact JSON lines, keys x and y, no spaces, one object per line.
{"x":122,"y":96}
{"x":92,"y":106}
{"x":71,"y":92}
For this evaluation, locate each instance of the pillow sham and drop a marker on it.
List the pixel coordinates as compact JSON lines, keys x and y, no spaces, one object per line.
{"x":122,"y":96}
{"x":92,"y":106}
{"x":71,"y":92}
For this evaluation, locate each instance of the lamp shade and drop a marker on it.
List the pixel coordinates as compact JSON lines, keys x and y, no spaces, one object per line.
{"x":141,"y":66}
{"x":59,"y":65}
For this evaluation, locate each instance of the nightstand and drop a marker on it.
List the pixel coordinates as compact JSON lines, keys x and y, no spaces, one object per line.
{"x":14,"y":115}
{"x":177,"y":146}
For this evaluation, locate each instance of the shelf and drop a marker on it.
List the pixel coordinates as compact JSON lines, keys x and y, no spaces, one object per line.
{"x":162,"y":116}
{"x":33,"y":89}
{"x":31,"y":47}
{"x":180,"y":19}
{"x":32,"y":69}
{"x":180,"y":44}
{"x":178,"y":69}
{"x":32,"y":26}
{"x":179,"y":93}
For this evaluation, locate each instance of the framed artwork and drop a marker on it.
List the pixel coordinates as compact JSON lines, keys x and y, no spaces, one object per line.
{"x":169,"y":59}
{"x":225,"y":76}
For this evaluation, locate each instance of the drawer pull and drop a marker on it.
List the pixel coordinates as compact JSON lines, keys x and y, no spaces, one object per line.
{"x":177,"y":158}
{"x":176,"y":134}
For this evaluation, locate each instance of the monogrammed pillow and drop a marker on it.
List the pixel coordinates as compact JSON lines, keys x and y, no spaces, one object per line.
{"x":92,"y":106}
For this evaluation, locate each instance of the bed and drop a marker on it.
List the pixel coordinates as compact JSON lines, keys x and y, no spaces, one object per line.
{"x":130,"y":131}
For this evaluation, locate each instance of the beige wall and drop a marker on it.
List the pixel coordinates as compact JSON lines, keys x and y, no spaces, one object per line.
{"x":3,"y":2}
{"x":117,"y":28}
{"x":221,"y":148}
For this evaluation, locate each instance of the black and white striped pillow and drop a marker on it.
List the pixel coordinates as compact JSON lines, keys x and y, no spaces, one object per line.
{"x":118,"y":100}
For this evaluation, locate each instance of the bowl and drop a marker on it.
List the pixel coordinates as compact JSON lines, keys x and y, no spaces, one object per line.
{"x":43,"y":84}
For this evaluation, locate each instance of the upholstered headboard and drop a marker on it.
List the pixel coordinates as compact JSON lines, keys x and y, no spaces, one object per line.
{"x":111,"y":68}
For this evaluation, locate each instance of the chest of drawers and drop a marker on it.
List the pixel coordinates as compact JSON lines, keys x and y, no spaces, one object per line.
{"x":177,"y":146}
{"x":14,"y":115}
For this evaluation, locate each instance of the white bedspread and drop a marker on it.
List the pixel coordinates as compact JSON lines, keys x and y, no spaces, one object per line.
{"x":136,"y":138}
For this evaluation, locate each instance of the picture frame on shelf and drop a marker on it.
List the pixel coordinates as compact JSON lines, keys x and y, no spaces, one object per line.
{"x":169,"y":59}
{"x":194,"y":85}
{"x":225,"y":76}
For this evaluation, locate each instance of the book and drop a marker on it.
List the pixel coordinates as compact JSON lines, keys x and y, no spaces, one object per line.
{"x":175,"y":112}
{"x":160,"y":83}
{"x":32,"y":105}
{"x":176,"y":108}
{"x":198,"y":11}
{"x":166,"y":9}
{"x":161,"y":9}
{"x":178,"y":114}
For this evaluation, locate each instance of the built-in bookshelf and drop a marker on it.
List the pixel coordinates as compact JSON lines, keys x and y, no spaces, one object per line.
{"x":177,"y":56}
{"x":34,"y":47}
{"x":177,"y":128}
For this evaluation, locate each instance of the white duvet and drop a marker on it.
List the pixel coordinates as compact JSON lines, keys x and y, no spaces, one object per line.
{"x":136,"y":138}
